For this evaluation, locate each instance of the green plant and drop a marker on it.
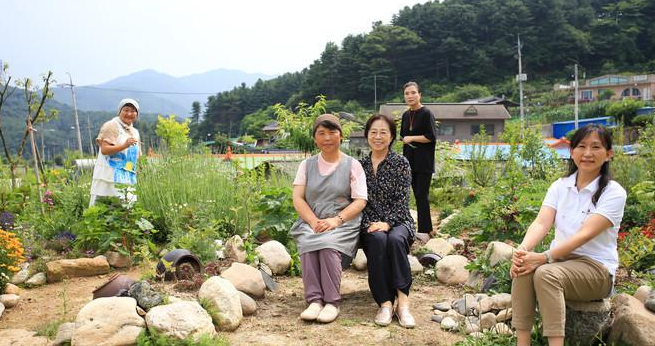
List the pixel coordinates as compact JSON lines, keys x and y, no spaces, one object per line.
{"x":500,"y":271}
{"x":276,"y":214}
{"x":481,"y":167}
{"x":11,"y":256}
{"x":488,"y":339}
{"x":155,"y":339}
{"x":636,"y":251}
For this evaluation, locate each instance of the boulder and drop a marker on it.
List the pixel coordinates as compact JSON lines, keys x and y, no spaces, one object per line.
{"x":442,"y":306}
{"x":2,"y":309}
{"x":38,"y":279}
{"x":146,"y":296}
{"x":12,"y":289}
{"x":64,"y":334}
{"x":224,"y":304}
{"x":496,"y":302}
{"x":107,"y":322}
{"x":9,"y":300}
{"x":414,"y":265}
{"x":498,"y":252}
{"x":585,"y":321}
{"x":650,"y":302}
{"x":633,"y":323}
{"x":502,"y":329}
{"x":504,"y":315}
{"x":21,"y":337}
{"x":234,"y":249}
{"x":439,"y":246}
{"x":248,"y":305}
{"x":488,"y":320}
{"x":448,"y":323}
{"x":70,"y":268}
{"x":360,"y":260}
{"x":22,"y":275}
{"x":180,"y":320}
{"x":456,"y":242}
{"x":642,"y":293}
{"x":451,"y":271}
{"x":275,"y":255}
{"x":437,"y":318}
{"x":246,"y":279}
{"x":465,"y":306}
{"x":118,"y":260}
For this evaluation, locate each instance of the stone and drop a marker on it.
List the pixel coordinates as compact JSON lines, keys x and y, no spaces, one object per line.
{"x":633,"y":323}
{"x":487,"y":320}
{"x":496,"y":302}
{"x":650,"y":302}
{"x":39,"y":279}
{"x":224,"y":302}
{"x":22,"y":275}
{"x":146,"y":296}
{"x":498,"y":252}
{"x":456,"y":242}
{"x":504,"y":315}
{"x":360,"y":260}
{"x":2,"y":309}
{"x":9,"y":300}
{"x":275,"y":255}
{"x":246,"y":279}
{"x":448,"y":323}
{"x":12,"y":289}
{"x":180,"y":320}
{"x":266,"y":269}
{"x":118,"y":260}
{"x":480,"y":296}
{"x":439,"y":246}
{"x":70,"y":268}
{"x":64,"y":334}
{"x":465,"y":306}
{"x":234,"y":249}
{"x":477,"y":335}
{"x":142,"y":312}
{"x":248,"y":305}
{"x":451,"y":271}
{"x":442,"y":306}
{"x":471,"y":328}
{"x":642,"y":293}
{"x":503,"y":329}
{"x":437,"y":318}
{"x":414,"y":265}
{"x":452,"y":313}
{"x":475,"y":280}
{"x":108,"y":321}
{"x":21,"y":337}
{"x":586,"y":320}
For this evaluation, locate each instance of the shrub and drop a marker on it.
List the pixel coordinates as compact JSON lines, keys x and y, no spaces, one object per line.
{"x":11,"y":256}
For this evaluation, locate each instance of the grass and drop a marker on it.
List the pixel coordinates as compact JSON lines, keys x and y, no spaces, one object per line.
{"x":155,"y":339}
{"x":49,"y":329}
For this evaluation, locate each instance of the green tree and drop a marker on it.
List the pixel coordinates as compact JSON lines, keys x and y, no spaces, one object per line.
{"x":174,"y":133}
{"x":625,"y":110}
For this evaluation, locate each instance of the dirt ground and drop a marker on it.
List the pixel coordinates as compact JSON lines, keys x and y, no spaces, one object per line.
{"x":276,"y":321}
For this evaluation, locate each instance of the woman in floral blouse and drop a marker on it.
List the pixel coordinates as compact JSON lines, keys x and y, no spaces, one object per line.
{"x":387,"y":227}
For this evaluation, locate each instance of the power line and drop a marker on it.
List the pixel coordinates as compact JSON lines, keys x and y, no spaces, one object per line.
{"x":149,"y":92}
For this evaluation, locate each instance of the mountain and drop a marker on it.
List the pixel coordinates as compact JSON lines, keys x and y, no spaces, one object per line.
{"x":157,"y":92}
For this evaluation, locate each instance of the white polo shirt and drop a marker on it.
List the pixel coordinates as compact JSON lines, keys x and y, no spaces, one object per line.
{"x":573,"y":207}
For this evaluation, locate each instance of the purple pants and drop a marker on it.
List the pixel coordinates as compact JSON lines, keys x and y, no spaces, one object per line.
{"x":321,"y":276}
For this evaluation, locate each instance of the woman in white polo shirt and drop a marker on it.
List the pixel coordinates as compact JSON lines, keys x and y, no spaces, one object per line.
{"x":586,"y":208}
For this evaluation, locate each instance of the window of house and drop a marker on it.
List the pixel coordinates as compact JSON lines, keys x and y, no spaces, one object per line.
{"x":488,"y":128}
{"x":446,"y":130}
{"x":585,"y":94}
{"x":635,"y":92}
{"x":626,"y":92}
{"x":618,"y":80}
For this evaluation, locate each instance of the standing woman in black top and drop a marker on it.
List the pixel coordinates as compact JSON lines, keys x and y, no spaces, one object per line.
{"x":387,"y":227}
{"x":418,"y":133}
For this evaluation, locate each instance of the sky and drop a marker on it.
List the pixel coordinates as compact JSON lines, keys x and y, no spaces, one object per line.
{"x":98,"y":40}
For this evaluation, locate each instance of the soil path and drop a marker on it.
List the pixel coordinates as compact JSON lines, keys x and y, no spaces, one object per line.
{"x":276,"y":321}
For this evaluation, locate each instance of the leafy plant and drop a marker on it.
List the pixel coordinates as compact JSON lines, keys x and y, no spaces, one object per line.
{"x":502,"y":281}
{"x":636,"y":251}
{"x":11,"y":256}
{"x":155,"y":339}
{"x":276,"y":214}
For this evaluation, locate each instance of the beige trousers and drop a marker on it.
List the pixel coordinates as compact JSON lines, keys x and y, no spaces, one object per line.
{"x":574,"y":278}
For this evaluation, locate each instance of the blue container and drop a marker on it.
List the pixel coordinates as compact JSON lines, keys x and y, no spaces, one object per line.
{"x":561,"y":128}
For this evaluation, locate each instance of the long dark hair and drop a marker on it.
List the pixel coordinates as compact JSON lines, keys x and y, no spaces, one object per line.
{"x":388,"y":120}
{"x":606,"y":139}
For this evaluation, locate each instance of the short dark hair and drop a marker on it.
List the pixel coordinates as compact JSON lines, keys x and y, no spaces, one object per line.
{"x":328,"y":125}
{"x":385,"y":118}
{"x":409,"y":84}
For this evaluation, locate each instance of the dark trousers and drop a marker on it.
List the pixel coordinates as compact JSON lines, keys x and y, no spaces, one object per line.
{"x":421,"y":187}
{"x":388,"y":266}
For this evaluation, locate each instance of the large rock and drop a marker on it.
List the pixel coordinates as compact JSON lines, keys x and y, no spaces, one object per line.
{"x":359,"y":262}
{"x":649,"y":303}
{"x":439,"y":246}
{"x":246,"y":279}
{"x":118,"y":260}
{"x":70,"y":268}
{"x":451,"y":271}
{"x":248,"y":305}
{"x":38,"y":279}
{"x":108,"y":322}
{"x":275,"y":255}
{"x":180,"y":320}
{"x":224,"y":304}
{"x":234,"y":249}
{"x":64,"y":334}
{"x":633,"y":323}
{"x":2,"y":309}
{"x":21,"y":337}
{"x":488,"y":320}
{"x":414,"y":265}
{"x":9,"y":300}
{"x":642,"y":293}
{"x":586,"y":320}
{"x":498,"y":252}
{"x":146,"y":296}
{"x":12,"y":289}
{"x":22,"y":275}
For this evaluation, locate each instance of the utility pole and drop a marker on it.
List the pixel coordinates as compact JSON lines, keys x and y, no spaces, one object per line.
{"x":521,"y":78}
{"x":92,"y":148}
{"x":576,"y":96}
{"x":77,"y":123}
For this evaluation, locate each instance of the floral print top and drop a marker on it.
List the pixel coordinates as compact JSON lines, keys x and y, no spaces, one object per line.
{"x":388,"y":192}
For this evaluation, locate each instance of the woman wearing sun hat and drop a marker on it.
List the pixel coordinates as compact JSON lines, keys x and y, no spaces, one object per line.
{"x":118,"y":142}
